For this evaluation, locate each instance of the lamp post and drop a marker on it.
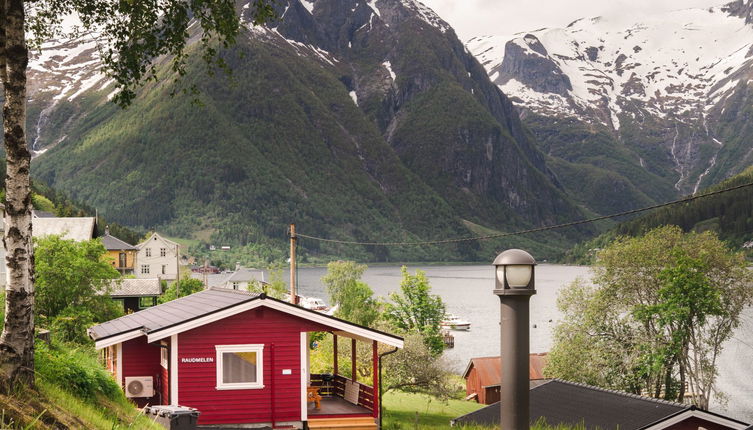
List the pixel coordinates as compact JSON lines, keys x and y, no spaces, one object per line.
{"x":514,"y":284}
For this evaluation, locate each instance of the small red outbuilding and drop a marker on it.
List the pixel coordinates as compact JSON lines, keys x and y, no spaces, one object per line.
{"x":239,"y":358}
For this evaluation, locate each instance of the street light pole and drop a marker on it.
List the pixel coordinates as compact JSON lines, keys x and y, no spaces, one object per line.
{"x":514,"y":284}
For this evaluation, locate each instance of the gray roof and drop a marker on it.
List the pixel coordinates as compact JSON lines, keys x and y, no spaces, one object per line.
{"x":213,"y":279}
{"x":221,"y":279}
{"x":113,"y":243}
{"x":245,"y":275}
{"x":571,"y":404}
{"x":173,"y":312}
{"x":76,"y":228}
{"x":129,"y":287}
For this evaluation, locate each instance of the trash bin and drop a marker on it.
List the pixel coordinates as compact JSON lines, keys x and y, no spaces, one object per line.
{"x":173,"y":417}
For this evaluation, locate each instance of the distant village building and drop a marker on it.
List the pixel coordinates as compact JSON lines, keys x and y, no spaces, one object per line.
{"x":239,"y":279}
{"x":157,"y":258}
{"x":136,"y":294}
{"x":46,"y":224}
{"x":122,"y":254}
{"x":483,"y":375}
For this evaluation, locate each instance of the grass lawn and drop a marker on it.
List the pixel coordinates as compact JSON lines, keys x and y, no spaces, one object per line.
{"x":419,"y":411}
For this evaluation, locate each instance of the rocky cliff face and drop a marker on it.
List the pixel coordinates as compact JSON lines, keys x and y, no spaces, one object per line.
{"x":360,"y":119}
{"x":657,"y":85}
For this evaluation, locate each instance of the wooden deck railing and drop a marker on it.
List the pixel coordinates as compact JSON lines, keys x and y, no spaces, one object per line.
{"x":336,"y":387}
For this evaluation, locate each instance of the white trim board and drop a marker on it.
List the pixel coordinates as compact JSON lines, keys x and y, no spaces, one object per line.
{"x":119,"y":363}
{"x":355,"y":331}
{"x":304,"y":376}
{"x":695,"y":413}
{"x":114,"y":340}
{"x":174,"y":370}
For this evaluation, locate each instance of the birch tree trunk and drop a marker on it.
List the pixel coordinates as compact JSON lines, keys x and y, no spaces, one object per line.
{"x":17,"y":339}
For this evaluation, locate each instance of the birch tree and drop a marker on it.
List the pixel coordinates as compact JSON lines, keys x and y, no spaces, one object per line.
{"x":132,"y":34}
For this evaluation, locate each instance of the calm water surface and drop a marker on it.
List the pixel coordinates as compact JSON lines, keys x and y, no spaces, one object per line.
{"x":467,"y":292}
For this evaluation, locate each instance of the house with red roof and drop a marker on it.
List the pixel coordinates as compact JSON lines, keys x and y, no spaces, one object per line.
{"x":483,"y":375}
{"x":240,"y":359}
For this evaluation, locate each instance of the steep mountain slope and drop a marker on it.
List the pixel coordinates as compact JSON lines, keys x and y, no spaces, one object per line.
{"x":662,"y":97}
{"x":357,"y":120}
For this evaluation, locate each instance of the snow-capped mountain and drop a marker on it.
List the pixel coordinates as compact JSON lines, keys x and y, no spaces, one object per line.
{"x":670,"y":73}
{"x":340,"y":111}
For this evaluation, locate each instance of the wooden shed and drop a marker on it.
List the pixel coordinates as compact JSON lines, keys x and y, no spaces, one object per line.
{"x":239,"y":358}
{"x":483,"y":375}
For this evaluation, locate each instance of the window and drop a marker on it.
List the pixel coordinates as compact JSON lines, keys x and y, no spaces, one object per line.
{"x":162,"y":252}
{"x":164,"y":269}
{"x":147,"y":302}
{"x":236,"y":285}
{"x":240,"y":367}
{"x":144,"y":269}
{"x":122,"y":260}
{"x":149,"y":252}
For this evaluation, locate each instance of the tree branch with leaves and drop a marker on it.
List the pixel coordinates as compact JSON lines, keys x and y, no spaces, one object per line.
{"x":132,"y":36}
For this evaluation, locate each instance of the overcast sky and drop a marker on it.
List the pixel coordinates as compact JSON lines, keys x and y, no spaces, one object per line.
{"x":481,"y":17}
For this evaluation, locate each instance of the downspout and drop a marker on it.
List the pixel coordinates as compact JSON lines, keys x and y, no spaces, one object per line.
{"x":381,"y":382}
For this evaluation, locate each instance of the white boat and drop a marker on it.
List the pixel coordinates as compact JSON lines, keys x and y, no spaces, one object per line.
{"x":314,"y":303}
{"x":453,"y":322}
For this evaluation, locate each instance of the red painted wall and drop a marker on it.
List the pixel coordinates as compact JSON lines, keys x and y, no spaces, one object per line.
{"x":143,"y":359}
{"x":694,"y":423}
{"x":280,"y":335}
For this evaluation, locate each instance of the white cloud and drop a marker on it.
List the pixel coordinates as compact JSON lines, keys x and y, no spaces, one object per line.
{"x":506,"y":17}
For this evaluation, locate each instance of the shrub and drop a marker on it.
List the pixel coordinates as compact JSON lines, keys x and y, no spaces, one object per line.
{"x":75,"y":370}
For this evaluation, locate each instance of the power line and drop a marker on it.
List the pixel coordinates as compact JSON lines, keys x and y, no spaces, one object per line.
{"x":532,"y":230}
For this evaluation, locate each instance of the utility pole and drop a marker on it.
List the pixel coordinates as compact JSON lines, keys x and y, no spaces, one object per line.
{"x":206,"y":271}
{"x":293,"y":290}
{"x":177,"y":271}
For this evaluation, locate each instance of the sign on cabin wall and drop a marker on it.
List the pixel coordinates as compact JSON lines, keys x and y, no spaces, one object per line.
{"x":197,"y":360}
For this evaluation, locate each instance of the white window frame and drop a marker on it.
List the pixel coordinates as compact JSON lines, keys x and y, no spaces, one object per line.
{"x":144,"y":269}
{"x":258,"y":349}
{"x":148,"y":252}
{"x":163,"y":252}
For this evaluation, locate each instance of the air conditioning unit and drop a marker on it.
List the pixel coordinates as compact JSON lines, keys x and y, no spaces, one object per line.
{"x":139,"y":386}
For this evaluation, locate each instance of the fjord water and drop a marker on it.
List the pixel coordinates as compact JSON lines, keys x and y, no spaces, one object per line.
{"x":467,"y":292}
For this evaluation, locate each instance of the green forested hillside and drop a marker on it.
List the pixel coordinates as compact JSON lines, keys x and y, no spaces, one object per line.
{"x":729,"y":215}
{"x":395,"y":133}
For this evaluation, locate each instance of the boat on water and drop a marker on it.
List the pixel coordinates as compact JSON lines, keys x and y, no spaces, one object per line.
{"x":453,"y":322}
{"x":314,"y":303}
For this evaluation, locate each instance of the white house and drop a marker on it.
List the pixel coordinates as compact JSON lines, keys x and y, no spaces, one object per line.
{"x":157,"y":258}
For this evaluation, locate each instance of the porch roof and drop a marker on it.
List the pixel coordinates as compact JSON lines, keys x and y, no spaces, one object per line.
{"x":214,"y":304}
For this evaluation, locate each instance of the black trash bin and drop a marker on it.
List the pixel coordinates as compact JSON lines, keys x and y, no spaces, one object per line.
{"x":173,"y":417}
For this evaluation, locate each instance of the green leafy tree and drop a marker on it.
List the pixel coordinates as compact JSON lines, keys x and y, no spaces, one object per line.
{"x":275,"y":288}
{"x":132,"y":35}
{"x":657,"y":317}
{"x":181,"y":288}
{"x":354,"y":298}
{"x":415,"y":309}
{"x":72,"y":274}
{"x":417,"y":369}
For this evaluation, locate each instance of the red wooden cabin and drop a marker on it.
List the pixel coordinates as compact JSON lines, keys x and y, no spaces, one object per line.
{"x":483,"y":375}
{"x":239,"y":358}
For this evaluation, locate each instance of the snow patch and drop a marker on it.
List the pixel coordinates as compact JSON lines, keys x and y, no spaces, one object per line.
{"x":309,"y":5}
{"x":387,"y":65}
{"x":354,"y":96}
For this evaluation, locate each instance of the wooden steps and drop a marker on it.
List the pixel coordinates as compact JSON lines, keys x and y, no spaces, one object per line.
{"x":355,"y":423}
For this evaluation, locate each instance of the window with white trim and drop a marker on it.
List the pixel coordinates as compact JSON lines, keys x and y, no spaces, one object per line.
{"x":162,"y":252}
{"x":149,"y":252}
{"x":240,"y":366}
{"x":144,"y":269}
